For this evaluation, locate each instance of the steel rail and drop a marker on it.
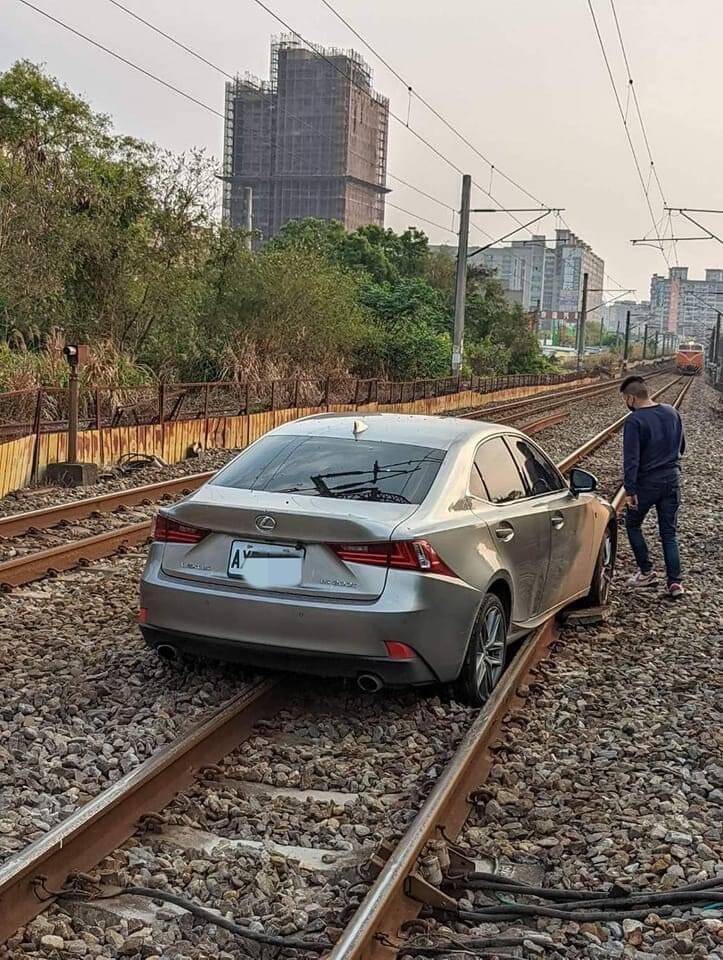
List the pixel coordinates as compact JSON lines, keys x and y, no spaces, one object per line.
{"x":387,"y":906}
{"x":41,"y":519}
{"x":80,"y":842}
{"x":100,"y":826}
{"x":66,"y":556}
{"x":556,"y":398}
{"x":568,"y":462}
{"x":373,"y":929}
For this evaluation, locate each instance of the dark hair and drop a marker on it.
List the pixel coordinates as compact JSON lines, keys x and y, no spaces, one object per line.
{"x":635,"y":378}
{"x":636,"y":387}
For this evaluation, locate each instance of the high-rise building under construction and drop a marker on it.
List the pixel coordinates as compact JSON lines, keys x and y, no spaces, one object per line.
{"x":311,"y":142}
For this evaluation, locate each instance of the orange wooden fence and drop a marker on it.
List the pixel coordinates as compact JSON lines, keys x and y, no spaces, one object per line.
{"x":172,"y":440}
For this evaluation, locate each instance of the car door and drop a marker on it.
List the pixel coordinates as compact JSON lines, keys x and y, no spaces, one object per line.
{"x":571,"y":535}
{"x":518,"y":524}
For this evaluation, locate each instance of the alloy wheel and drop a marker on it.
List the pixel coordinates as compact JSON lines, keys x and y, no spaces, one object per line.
{"x":490,"y":654}
{"x":606,"y":567}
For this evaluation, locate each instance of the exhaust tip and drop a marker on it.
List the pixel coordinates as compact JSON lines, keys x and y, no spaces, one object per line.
{"x":167,"y":651}
{"x":369,"y":683}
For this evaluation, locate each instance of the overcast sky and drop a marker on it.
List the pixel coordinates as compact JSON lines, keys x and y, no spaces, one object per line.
{"x":523,"y":80}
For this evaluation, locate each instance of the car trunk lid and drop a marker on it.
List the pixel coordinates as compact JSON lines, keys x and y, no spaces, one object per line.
{"x":261,"y":542}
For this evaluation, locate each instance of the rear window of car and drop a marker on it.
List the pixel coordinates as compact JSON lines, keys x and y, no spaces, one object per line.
{"x":335,"y":467}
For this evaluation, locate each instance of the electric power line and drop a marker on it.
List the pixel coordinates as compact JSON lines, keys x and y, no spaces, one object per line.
{"x":627,"y":131}
{"x":129,"y":63}
{"x":317,"y":51}
{"x":637,"y":104}
{"x":230,"y":76}
{"x":646,"y":140}
{"x":429,"y":106}
{"x":205,"y":106}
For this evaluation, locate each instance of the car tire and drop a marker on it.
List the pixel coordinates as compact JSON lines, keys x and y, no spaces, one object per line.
{"x":604,"y":572}
{"x":484,"y":661}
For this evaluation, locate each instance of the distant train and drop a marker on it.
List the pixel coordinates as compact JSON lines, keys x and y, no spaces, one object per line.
{"x":689,"y":358}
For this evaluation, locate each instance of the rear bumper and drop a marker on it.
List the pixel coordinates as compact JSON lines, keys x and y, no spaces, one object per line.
{"x":391,"y":672}
{"x":431,"y":614}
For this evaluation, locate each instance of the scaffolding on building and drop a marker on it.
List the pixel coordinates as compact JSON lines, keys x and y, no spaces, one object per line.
{"x":312,"y":141}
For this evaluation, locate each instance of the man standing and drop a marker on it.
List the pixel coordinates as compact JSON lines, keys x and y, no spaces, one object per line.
{"x":652,"y":445}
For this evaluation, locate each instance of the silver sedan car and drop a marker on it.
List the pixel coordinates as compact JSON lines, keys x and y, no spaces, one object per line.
{"x":391,"y":549}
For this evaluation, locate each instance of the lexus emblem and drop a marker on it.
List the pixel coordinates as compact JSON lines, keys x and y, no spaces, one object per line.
{"x":265,"y":523}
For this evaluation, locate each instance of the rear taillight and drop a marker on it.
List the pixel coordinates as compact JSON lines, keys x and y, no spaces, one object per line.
{"x":399,"y":554}
{"x":166,"y":530}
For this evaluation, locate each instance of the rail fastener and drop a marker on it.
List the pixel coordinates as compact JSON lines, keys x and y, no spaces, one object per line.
{"x":80,"y":842}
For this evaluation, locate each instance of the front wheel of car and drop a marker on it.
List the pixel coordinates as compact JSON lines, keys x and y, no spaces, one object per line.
{"x":484,"y":662}
{"x":602,"y":577}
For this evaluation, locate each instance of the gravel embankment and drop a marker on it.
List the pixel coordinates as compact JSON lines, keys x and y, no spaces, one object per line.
{"x":42,"y":496}
{"x":617,"y":774}
{"x":82,"y":700}
{"x":614,"y":776}
{"x":588,"y":417}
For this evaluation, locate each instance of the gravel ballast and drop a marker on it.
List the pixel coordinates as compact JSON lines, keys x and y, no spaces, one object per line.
{"x":616,"y":776}
{"x":613,"y":777}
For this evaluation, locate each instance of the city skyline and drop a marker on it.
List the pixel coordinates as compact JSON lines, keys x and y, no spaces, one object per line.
{"x":455,"y":58}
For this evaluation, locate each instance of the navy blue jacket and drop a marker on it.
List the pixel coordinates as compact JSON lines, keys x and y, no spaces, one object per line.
{"x":653,"y":442}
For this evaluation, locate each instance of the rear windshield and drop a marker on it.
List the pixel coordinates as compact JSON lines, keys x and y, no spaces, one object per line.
{"x":335,"y":467}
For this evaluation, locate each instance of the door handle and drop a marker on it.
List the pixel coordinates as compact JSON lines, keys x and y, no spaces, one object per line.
{"x":505,"y":532}
{"x":558,"y":521}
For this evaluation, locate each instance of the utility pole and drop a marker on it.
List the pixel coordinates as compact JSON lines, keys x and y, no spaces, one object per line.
{"x":645,"y":342}
{"x":248,"y":215}
{"x":627,"y":340}
{"x":460,"y":287}
{"x":715,"y":339}
{"x":602,"y":330}
{"x":581,"y":324}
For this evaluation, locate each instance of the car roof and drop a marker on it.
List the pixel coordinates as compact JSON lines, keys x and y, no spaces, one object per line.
{"x":438,"y":432}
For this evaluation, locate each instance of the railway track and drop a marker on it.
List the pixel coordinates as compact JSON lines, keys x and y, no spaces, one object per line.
{"x":33,"y":521}
{"x":511,"y":409}
{"x":58,"y":864}
{"x":35,"y":564}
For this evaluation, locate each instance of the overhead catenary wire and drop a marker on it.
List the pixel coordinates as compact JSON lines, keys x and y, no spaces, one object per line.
{"x":450,"y":126}
{"x":195,"y":100}
{"x":229,"y":76}
{"x":319,"y":52}
{"x":118,"y":56}
{"x":631,"y":85}
{"x":627,"y":130}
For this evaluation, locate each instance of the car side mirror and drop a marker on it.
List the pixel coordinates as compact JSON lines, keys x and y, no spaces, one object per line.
{"x":581,"y":481}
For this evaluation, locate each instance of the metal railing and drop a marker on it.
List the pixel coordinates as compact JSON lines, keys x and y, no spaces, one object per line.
{"x":45,"y":409}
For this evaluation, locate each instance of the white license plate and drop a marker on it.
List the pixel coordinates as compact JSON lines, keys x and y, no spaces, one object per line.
{"x":266,"y":565}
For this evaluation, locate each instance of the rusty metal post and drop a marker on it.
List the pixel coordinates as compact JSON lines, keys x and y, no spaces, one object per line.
{"x":205,"y":416}
{"x":36,"y":431}
{"x":73,"y":398}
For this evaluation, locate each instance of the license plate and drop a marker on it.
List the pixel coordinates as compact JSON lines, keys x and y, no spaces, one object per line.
{"x":266,"y":565}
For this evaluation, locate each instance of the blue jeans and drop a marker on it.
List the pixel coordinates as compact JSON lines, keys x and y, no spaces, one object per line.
{"x":664,"y":495}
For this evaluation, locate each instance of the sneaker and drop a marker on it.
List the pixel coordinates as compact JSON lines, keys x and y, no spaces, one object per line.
{"x":641,"y":579}
{"x":676,"y":589}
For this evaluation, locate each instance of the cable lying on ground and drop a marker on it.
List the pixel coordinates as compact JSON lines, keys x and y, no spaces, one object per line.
{"x":210,"y":916}
{"x":579,"y":905}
